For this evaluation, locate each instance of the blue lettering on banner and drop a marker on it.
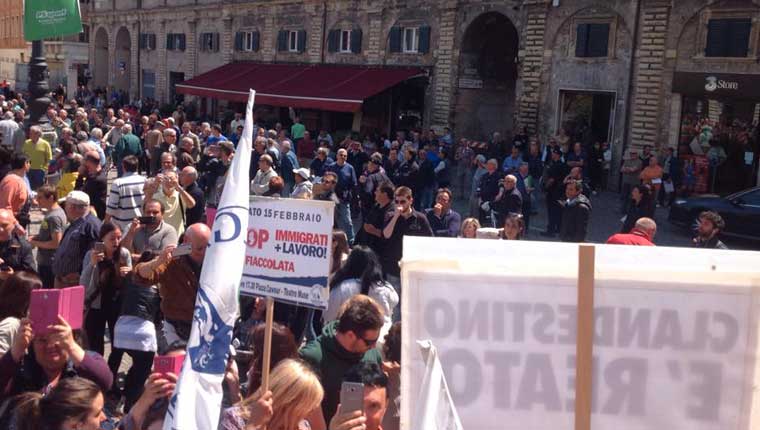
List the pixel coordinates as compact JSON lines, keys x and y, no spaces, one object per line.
{"x":218,"y":233}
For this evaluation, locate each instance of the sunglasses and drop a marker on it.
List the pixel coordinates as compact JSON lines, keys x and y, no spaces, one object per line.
{"x":370,"y":342}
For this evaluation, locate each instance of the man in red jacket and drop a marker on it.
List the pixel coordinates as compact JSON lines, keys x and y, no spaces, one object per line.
{"x":642,"y":234}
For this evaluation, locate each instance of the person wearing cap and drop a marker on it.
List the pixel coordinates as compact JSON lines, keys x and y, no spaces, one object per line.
{"x":39,"y":152}
{"x":260,"y":183}
{"x":77,"y":239}
{"x":94,"y":182}
{"x":631,"y":169}
{"x":303,"y":188}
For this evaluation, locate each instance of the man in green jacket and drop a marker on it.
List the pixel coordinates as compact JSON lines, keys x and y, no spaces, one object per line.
{"x":129,"y":144}
{"x":344,"y":343}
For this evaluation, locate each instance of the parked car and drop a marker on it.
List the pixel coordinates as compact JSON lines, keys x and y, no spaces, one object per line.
{"x":741,"y":211}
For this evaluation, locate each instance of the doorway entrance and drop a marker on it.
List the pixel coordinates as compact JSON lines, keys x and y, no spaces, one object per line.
{"x":587,"y":116}
{"x":487,"y":77}
{"x":174,"y":79}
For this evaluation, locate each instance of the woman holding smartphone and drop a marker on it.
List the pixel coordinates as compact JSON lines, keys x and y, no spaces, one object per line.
{"x":105,"y":267}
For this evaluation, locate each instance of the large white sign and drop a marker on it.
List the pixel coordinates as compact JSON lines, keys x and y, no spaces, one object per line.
{"x":671,"y":350}
{"x":288,"y":248}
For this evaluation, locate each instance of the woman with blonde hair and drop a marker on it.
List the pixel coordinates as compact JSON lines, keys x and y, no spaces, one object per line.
{"x":470,"y":228}
{"x":294,"y":394}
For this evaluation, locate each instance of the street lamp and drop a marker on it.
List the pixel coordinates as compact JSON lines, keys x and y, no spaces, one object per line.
{"x":39,"y":90}
{"x":38,"y":86}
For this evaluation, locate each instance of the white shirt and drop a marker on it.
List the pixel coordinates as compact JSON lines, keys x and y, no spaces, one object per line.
{"x":383,"y":294}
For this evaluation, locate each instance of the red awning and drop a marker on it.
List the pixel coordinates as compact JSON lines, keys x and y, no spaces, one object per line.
{"x":324,"y":87}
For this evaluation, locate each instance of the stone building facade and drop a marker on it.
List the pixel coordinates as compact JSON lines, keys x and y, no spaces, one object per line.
{"x":618,"y":69}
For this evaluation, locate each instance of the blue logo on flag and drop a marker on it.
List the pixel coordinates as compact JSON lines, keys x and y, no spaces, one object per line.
{"x":208,"y":353}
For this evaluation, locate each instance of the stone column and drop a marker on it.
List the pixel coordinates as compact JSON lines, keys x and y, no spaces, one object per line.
{"x":191,"y":49}
{"x":162,"y":92}
{"x":444,"y":71}
{"x":376,"y":42}
{"x":112,"y":66}
{"x":649,"y":62}
{"x":227,"y":40}
{"x":268,"y":38}
{"x":531,"y":65}
{"x":134,"y":58}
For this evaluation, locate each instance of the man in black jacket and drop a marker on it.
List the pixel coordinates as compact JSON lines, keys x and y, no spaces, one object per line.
{"x":576,"y":214}
{"x":488,"y":188}
{"x":553,"y":184}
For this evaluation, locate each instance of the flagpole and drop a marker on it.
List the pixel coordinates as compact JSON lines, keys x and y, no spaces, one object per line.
{"x":267,"y":345}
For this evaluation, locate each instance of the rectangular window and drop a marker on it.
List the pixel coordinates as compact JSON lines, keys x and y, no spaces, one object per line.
{"x":728,"y":37}
{"x":207,"y":42}
{"x":175,"y":42}
{"x":345,"y":41}
{"x":248,"y":41}
{"x":411,"y":41}
{"x":592,"y":40}
{"x":293,"y":41}
{"x":149,"y":84}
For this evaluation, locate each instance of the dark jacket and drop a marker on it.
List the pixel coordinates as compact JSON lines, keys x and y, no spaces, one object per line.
{"x":712,"y":243}
{"x":575,"y":218}
{"x":488,"y":188}
{"x":635,"y":212}
{"x":17,"y":253}
{"x":140,"y":300}
{"x":331,"y":361}
{"x":510,"y":202}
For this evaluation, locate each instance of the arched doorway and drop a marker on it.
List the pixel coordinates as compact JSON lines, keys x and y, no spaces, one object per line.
{"x":487,"y":77}
{"x":122,"y":57}
{"x":100,"y":62}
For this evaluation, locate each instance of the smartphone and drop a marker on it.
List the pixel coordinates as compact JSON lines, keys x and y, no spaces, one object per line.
{"x":181,"y":250}
{"x":168,"y":364}
{"x":147,"y":220}
{"x":99,"y":247}
{"x":351,"y":397}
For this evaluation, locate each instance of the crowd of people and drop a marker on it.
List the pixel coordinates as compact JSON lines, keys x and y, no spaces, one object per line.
{"x":126,"y":203}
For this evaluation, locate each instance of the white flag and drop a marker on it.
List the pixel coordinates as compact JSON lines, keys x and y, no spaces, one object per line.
{"x":198,"y":398}
{"x":435,"y":409}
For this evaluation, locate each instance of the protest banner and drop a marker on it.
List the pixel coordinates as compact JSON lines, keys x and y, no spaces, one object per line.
{"x":51,"y":18}
{"x":288,"y":249}
{"x":674,"y":340}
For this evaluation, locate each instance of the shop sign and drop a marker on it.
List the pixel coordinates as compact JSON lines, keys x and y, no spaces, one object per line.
{"x":716,"y":84}
{"x":468,"y":83}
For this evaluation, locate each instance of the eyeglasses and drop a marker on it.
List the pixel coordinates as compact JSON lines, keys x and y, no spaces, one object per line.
{"x":369,"y":342}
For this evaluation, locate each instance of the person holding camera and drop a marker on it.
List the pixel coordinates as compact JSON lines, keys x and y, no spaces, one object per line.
{"x":149,"y":232}
{"x":167,"y":190}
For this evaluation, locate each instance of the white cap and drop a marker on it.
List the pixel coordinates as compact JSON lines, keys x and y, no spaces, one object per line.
{"x":77,"y":197}
{"x":303,"y":172}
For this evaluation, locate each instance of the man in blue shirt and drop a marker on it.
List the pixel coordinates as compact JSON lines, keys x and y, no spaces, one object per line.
{"x":319,"y":165}
{"x":346,"y":184}
{"x":444,"y":221}
{"x":78,"y":238}
{"x":512,"y":163}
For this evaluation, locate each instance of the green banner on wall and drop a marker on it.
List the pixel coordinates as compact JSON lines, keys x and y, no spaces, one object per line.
{"x":51,"y":18}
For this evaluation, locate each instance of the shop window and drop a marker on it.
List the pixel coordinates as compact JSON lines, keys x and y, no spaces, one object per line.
{"x":592,"y":40}
{"x":728,"y":37}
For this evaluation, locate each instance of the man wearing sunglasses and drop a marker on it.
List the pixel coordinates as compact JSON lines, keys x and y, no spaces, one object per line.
{"x":344,"y":343}
{"x":404,"y":221}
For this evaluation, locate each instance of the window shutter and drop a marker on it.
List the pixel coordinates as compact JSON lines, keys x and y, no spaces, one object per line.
{"x":716,"y":30}
{"x":356,"y":41}
{"x":333,"y":39}
{"x":282,"y":40}
{"x":738,"y":39}
{"x":239,"y":37}
{"x":598,"y":40}
{"x":581,"y":40}
{"x":301,"y":40}
{"x":256,"y":40}
{"x":169,"y":42}
{"x":152,"y":41}
{"x":182,"y":42}
{"x":423,"y":45}
{"x":395,"y":39}
{"x":216,"y":41}
{"x":142,"y":42}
